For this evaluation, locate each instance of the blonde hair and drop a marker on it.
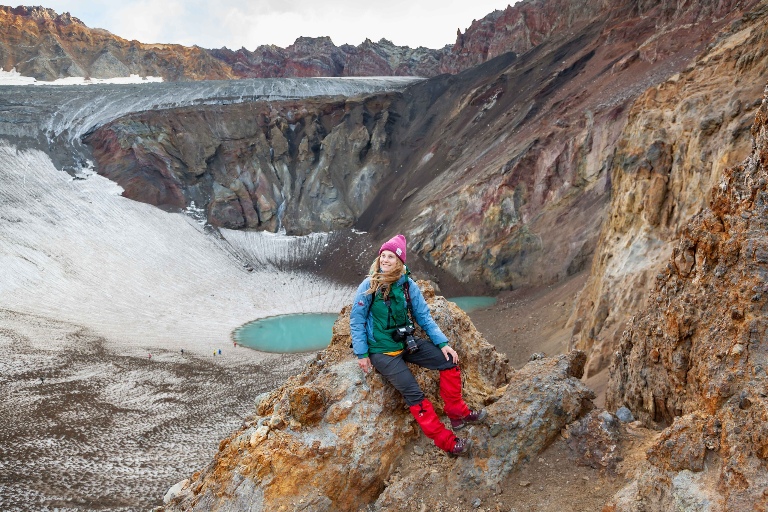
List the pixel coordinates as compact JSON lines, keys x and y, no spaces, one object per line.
{"x":383,"y":280}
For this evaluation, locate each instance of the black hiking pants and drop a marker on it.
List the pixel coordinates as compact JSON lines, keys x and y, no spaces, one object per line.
{"x":397,"y":373}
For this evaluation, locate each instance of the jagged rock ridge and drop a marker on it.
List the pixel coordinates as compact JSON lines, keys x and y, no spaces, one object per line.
{"x":318,"y":56}
{"x":40,"y":43}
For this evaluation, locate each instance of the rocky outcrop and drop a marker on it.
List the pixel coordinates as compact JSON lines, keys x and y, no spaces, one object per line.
{"x":330,"y":438}
{"x":540,"y":400}
{"x":318,"y":56}
{"x":312,"y":166}
{"x":695,"y":360}
{"x":679,"y":138}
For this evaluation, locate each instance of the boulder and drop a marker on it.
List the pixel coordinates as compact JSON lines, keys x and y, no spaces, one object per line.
{"x":540,"y":400}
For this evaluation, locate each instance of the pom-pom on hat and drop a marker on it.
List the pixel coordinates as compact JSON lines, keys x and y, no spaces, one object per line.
{"x":396,"y":244}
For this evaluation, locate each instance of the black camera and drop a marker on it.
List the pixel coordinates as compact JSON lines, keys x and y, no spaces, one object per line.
{"x":405,"y":335}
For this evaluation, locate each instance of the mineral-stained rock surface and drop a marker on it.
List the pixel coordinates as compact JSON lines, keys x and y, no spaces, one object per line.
{"x":540,"y":400}
{"x":679,"y":138}
{"x":695,"y":360}
{"x":595,"y":439}
{"x":313,"y":165}
{"x":330,"y":437}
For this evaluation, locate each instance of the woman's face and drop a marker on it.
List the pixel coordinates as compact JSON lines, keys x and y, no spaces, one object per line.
{"x":387,"y":261}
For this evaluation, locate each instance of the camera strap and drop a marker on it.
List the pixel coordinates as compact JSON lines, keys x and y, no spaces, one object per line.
{"x":407,"y":293}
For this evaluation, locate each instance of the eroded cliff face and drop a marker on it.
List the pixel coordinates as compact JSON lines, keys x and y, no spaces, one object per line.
{"x":679,"y":138}
{"x":309,"y":166}
{"x":694,"y":361}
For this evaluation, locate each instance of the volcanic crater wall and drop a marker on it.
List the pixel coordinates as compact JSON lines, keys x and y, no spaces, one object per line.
{"x":694,"y":361}
{"x":503,"y":174}
{"x":312,"y":166}
{"x":679,"y":138}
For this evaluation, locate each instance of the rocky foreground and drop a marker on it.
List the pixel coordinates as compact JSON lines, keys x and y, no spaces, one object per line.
{"x":332,"y":438}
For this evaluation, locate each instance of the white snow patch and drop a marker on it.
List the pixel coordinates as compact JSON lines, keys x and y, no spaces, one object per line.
{"x":426,"y":158}
{"x":13,"y":77}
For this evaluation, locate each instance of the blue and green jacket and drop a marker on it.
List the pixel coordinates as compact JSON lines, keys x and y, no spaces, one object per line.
{"x":372,"y":321}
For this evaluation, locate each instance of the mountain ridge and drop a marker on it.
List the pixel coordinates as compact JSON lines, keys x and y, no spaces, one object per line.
{"x":43,"y":44}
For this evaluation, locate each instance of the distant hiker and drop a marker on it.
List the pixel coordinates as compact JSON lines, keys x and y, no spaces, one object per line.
{"x":149,"y":356}
{"x":182,"y":351}
{"x":219,"y":351}
{"x":234,"y":344}
{"x":42,"y":380}
{"x":382,"y":338}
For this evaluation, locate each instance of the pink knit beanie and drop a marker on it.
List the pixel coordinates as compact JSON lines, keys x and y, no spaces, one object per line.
{"x":396,"y":244}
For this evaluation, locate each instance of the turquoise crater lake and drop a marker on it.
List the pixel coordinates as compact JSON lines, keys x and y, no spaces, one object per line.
{"x":468,"y":304}
{"x":309,"y":332}
{"x":286,"y":334}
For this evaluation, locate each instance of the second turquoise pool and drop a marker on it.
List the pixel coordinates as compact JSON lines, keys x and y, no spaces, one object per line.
{"x":468,"y":304}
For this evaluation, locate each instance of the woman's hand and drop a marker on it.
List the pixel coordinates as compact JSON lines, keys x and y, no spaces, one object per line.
{"x":365,"y":364}
{"x":450,"y":354}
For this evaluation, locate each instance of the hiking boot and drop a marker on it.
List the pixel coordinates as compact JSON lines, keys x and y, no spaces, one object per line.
{"x":462,"y":447}
{"x":472,"y":417}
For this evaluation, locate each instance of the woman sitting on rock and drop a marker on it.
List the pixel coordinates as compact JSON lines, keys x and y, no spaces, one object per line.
{"x":382,"y":338}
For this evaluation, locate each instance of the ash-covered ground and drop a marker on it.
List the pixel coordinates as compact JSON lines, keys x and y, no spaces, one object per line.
{"x":85,"y":428}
